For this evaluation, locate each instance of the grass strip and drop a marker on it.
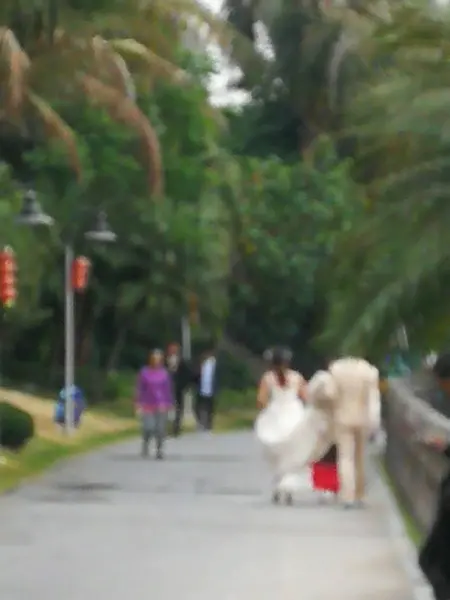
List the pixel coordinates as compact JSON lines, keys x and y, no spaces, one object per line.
{"x":41,"y":454}
{"x":410,"y":526}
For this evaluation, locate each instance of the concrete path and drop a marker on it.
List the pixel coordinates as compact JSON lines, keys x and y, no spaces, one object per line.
{"x":198,"y":526}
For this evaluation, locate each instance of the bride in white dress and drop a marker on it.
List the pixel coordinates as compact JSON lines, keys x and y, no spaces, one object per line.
{"x":292,"y":434}
{"x":280,"y":395}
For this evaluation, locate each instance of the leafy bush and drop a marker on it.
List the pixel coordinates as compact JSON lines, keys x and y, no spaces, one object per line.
{"x":16,"y":427}
{"x":235,"y":373}
{"x":233,"y":400}
{"x":120,"y":385}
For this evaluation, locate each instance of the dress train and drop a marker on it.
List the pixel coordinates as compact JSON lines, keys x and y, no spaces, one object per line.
{"x":293,"y":435}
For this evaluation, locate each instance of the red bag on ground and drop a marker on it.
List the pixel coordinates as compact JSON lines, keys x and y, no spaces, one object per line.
{"x":324,"y":473}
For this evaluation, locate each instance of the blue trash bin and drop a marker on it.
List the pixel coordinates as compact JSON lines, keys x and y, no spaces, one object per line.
{"x":79,"y":406}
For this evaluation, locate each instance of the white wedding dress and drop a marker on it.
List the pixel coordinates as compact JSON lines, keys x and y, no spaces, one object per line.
{"x":293,"y":435}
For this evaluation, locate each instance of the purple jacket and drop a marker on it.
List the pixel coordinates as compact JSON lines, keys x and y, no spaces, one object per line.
{"x":154,"y":390}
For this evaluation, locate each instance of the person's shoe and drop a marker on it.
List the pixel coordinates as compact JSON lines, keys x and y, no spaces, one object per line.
{"x":348,"y":505}
{"x":276,"y":497}
{"x":289,"y":500}
{"x":159,"y":455}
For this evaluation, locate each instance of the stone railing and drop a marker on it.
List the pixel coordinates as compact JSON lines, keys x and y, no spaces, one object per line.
{"x":415,"y":469}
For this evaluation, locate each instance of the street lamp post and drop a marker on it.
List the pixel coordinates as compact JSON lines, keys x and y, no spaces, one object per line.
{"x":69,"y":340}
{"x":32,"y":215}
{"x":100,"y":233}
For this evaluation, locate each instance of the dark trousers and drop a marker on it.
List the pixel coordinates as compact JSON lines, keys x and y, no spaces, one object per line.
{"x":433,"y":557}
{"x":179,"y":412}
{"x":204,"y":411}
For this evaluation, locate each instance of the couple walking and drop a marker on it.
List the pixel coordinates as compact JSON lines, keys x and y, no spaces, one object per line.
{"x":161,"y":388}
{"x":328,"y":429}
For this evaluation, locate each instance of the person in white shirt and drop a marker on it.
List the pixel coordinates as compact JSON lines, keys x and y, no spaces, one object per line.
{"x":206,"y":391}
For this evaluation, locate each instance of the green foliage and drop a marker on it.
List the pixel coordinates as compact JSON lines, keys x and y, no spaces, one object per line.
{"x":16,"y":427}
{"x":166,"y":248}
{"x":289,"y":215}
{"x":235,"y":374}
{"x":120,"y":386}
{"x":299,"y":78}
{"x":97,"y":51}
{"x":237,"y":400}
{"x":244,"y":225}
{"x":262,"y":129}
{"x":396,"y":267}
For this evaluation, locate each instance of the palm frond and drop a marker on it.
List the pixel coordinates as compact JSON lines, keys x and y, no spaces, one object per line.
{"x":16,"y":64}
{"x":133,"y":49}
{"x":56,"y":128}
{"x":102,"y":49}
{"x":148,"y":20}
{"x":124,"y":110}
{"x":112,"y":64}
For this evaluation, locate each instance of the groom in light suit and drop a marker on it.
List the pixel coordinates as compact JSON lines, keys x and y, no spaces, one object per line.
{"x":354,"y":418}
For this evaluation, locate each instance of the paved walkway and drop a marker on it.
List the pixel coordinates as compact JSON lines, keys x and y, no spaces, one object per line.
{"x":196,"y":527}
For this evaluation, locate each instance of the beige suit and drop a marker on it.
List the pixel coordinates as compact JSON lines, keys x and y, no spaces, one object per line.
{"x":356,"y":380}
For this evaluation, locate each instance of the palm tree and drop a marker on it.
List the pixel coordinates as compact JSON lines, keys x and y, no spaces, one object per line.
{"x":395,"y":264}
{"x":306,"y":60}
{"x":61,"y":49}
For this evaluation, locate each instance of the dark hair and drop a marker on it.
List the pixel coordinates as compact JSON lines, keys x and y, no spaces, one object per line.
{"x":280,"y":359}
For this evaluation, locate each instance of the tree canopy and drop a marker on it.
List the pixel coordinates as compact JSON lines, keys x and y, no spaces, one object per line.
{"x":312,"y":216}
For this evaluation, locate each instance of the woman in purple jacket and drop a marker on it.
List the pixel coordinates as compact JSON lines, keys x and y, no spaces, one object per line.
{"x":154,"y":399}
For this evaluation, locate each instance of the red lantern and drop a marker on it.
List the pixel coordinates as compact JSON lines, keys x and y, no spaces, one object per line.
{"x":8,"y":292}
{"x":80,"y":273}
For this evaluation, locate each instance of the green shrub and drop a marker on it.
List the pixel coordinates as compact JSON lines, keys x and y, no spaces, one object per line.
{"x":235,"y":374}
{"x":16,"y":427}
{"x":120,"y":385}
{"x":233,"y":400}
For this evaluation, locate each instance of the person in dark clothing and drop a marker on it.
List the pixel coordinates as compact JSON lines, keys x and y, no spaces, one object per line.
{"x":180,"y":372}
{"x":434,"y":556}
{"x":206,"y":381}
{"x":441,"y":368}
